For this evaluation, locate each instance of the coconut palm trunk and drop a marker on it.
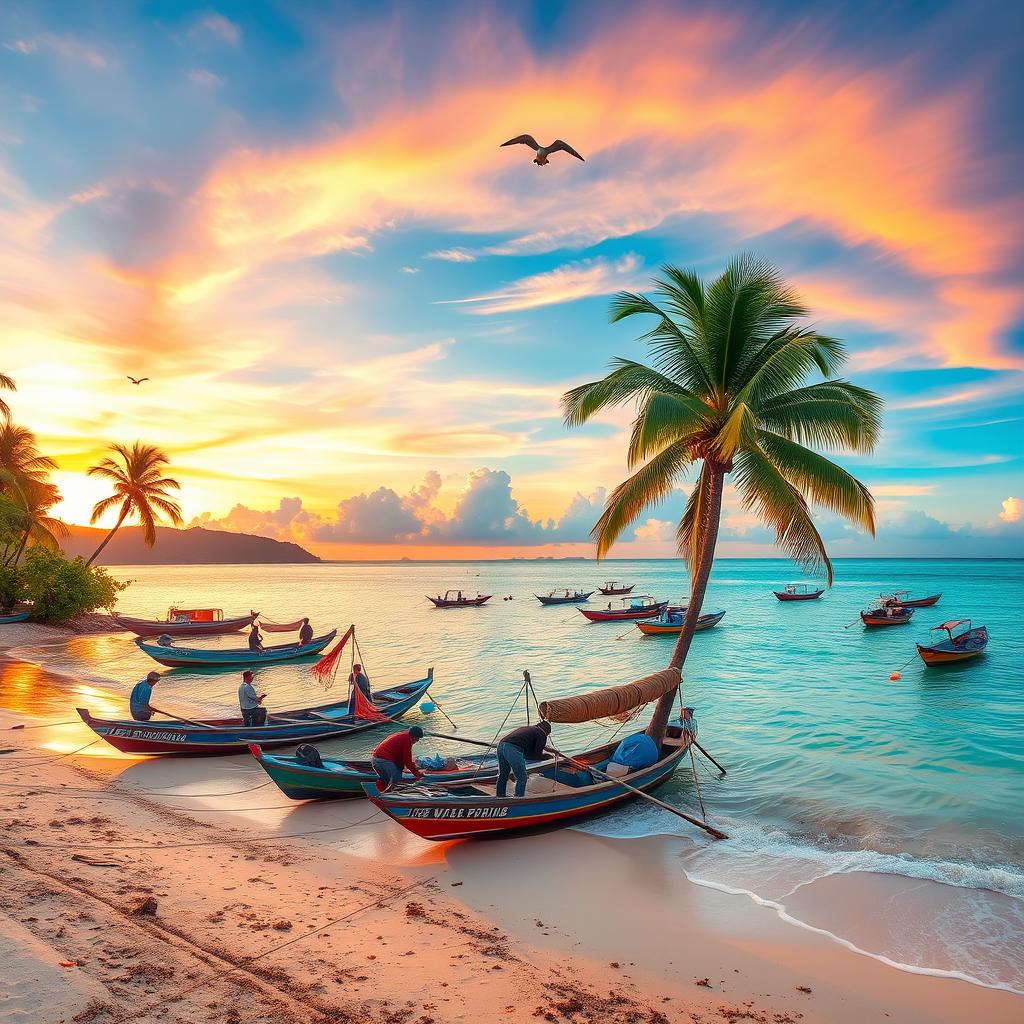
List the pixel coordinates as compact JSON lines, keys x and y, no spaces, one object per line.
{"x":110,"y":536}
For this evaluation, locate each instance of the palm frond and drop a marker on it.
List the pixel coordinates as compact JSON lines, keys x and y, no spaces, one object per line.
{"x":831,"y":414}
{"x":647,"y":486}
{"x":781,"y":507}
{"x":664,"y":419}
{"x":101,"y":508}
{"x":696,"y":520}
{"x":785,"y":359}
{"x":738,"y":428}
{"x":170,"y":509}
{"x":148,"y":524}
{"x":627,"y":380}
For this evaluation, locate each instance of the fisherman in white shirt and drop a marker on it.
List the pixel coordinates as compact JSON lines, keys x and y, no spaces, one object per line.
{"x":250,"y":702}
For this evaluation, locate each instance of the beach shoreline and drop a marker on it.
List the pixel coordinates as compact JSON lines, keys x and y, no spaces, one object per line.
{"x":571,"y":925}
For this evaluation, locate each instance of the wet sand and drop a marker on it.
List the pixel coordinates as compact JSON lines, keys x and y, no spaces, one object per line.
{"x":355,"y":920}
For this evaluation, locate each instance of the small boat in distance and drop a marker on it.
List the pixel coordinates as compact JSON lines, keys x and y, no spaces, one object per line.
{"x":455,"y":599}
{"x":670,"y":622}
{"x":968,"y":643}
{"x":564,"y":597}
{"x":889,"y":613}
{"x":187,"y":737}
{"x":15,"y":616}
{"x":799,"y":592}
{"x":186,"y":622}
{"x":639,"y":607}
{"x":902,"y":597}
{"x":335,"y":778}
{"x":613,"y":588}
{"x":210,"y":657}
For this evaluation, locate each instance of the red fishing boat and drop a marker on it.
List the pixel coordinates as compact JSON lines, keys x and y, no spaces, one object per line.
{"x":902,"y":597}
{"x":613,"y":588}
{"x":456,"y":599}
{"x":186,"y":622}
{"x":799,"y":592}
{"x":888,"y":614}
{"x":968,"y":643}
{"x":644,"y":607}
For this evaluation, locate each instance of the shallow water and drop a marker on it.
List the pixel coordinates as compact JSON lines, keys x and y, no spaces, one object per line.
{"x":833,"y":768}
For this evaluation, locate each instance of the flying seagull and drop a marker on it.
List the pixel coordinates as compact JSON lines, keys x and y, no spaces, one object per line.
{"x":139,"y":381}
{"x":543,"y":152}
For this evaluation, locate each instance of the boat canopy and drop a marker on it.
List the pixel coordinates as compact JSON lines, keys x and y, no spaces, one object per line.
{"x":612,"y":700}
{"x":952,"y":624}
{"x":195,"y":615}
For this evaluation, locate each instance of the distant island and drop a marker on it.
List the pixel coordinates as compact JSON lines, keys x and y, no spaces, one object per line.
{"x":195,"y":546}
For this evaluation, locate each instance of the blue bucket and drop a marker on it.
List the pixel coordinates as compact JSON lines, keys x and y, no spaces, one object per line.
{"x":428,"y":707}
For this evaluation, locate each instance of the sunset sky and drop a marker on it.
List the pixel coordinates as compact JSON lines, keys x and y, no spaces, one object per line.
{"x":358,"y":312}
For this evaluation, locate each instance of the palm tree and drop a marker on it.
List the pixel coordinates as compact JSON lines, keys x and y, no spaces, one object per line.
{"x":140,"y":487}
{"x":727,"y":390}
{"x":36,"y":498}
{"x":6,"y":384}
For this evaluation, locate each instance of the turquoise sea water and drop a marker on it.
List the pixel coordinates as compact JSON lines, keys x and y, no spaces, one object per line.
{"x":833,"y":768}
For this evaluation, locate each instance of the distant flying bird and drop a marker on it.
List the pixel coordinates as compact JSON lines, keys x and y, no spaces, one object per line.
{"x":543,"y":152}
{"x":139,"y":381}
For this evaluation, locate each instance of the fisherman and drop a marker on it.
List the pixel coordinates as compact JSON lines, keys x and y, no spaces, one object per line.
{"x":255,"y":640}
{"x":393,"y":755}
{"x":250,"y":702}
{"x":139,"y":699}
{"x":305,"y":632}
{"x":515,"y":749}
{"x":357,"y":677}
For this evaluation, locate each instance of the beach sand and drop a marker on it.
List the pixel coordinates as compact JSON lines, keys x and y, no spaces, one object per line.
{"x":355,"y":920}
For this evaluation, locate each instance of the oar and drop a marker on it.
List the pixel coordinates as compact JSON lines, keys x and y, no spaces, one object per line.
{"x":708,"y":756}
{"x":710,"y":829}
{"x":458,"y":739}
{"x":628,"y":631}
{"x":437,"y":704}
{"x":187,"y":721}
{"x":696,"y":782}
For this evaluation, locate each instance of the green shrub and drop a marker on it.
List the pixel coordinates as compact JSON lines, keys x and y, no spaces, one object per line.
{"x":63,"y":588}
{"x":12,"y":588}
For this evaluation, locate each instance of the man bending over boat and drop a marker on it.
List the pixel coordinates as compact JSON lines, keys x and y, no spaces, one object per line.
{"x":255,"y":640}
{"x":138,"y":702}
{"x":250,"y":702}
{"x":515,"y":749}
{"x":393,"y":755}
{"x":357,"y":677}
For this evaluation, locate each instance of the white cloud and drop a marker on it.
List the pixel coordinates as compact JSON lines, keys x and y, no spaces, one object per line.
{"x":1012,"y":510}
{"x":660,"y":530}
{"x":410,"y":270}
{"x":455,"y":255}
{"x":217,"y":25}
{"x":204,"y":78}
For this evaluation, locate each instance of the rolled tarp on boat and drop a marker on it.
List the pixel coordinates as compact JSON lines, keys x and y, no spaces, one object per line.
{"x":612,"y":700}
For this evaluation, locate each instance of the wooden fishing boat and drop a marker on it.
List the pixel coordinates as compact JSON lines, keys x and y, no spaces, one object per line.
{"x":455,"y":599}
{"x":558,"y":791}
{"x":337,"y":778}
{"x":208,"y":657}
{"x":613,"y":588}
{"x":968,"y":643}
{"x":902,"y":597}
{"x":564,"y":597}
{"x":184,"y":737}
{"x":670,"y":622}
{"x":799,"y":592}
{"x":186,"y":622}
{"x":888,"y":614}
{"x":18,"y":616}
{"x":644,"y":607}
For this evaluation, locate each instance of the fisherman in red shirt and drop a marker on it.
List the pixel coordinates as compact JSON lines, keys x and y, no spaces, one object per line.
{"x":393,"y":755}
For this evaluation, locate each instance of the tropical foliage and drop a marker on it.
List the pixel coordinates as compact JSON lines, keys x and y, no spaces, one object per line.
{"x":61,"y":589}
{"x":727,"y":393}
{"x":6,"y":384}
{"x":139,"y":487}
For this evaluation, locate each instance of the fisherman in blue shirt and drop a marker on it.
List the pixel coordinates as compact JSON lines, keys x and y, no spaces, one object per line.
{"x":139,"y":699}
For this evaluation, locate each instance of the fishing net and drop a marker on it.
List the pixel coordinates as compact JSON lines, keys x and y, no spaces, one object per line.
{"x":281,"y":627}
{"x":326,"y":668}
{"x":612,"y":701}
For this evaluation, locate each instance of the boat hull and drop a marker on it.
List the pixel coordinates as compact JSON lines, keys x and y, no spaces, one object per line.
{"x":15,"y":617}
{"x":962,"y":648}
{"x":922,"y":602}
{"x":482,"y":817}
{"x":156,"y":627}
{"x":230,"y":736}
{"x":616,"y":591}
{"x":474,"y":602}
{"x":578,"y":599}
{"x":345,"y":779}
{"x":626,"y":615}
{"x":663,"y":629}
{"x":870,"y":619}
{"x":783,"y":596}
{"x":195,"y":657}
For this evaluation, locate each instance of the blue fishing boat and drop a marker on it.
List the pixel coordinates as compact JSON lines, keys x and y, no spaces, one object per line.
{"x":210,"y":657}
{"x":564,"y":597}
{"x":189,"y":737}
{"x":19,"y":616}
{"x":336,"y":778}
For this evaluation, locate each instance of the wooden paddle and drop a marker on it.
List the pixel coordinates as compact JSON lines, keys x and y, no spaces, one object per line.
{"x":187,"y":721}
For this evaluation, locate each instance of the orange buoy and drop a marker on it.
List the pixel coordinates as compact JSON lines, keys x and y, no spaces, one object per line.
{"x":894,"y":676}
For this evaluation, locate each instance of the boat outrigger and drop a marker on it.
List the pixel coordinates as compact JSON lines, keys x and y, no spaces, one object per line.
{"x":968,"y":643}
{"x":614,"y":588}
{"x":564,"y":597}
{"x":186,"y":622}
{"x":210,"y":657}
{"x":799,"y":592}
{"x":456,"y":599}
{"x":559,"y":790}
{"x":188,"y":737}
{"x":639,"y":607}
{"x":670,"y":622}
